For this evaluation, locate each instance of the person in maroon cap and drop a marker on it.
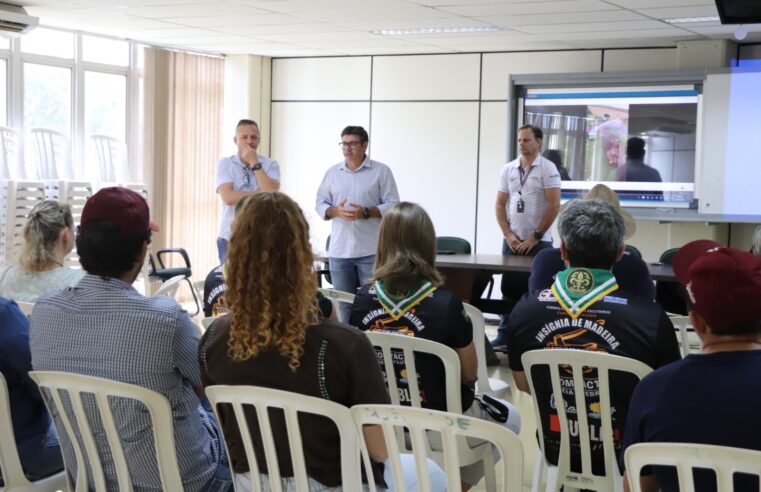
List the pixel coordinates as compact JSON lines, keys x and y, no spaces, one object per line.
{"x":103,"y":327}
{"x":712,"y":397}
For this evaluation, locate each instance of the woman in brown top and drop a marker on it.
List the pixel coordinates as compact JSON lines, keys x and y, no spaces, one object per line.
{"x":274,"y":337}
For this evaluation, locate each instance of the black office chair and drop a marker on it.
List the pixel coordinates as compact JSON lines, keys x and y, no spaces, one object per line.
{"x":324,"y":270}
{"x":669,"y":294}
{"x":632,"y":250}
{"x":163,"y":273}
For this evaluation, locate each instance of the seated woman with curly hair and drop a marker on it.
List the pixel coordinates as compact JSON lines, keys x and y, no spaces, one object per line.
{"x":274,"y":337}
{"x":48,"y":238}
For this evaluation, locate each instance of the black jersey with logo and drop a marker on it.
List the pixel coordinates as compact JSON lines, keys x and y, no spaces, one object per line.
{"x":440,"y":317}
{"x":620,"y":324}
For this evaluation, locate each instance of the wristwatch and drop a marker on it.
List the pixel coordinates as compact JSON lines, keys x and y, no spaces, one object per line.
{"x":538,"y":235}
{"x":257,"y":166}
{"x":366,"y":213}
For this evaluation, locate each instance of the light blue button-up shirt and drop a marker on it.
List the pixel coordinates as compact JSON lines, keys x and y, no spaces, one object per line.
{"x":370,"y":185}
{"x":232,"y":170}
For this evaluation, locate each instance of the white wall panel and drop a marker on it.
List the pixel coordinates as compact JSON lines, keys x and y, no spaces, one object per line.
{"x":644,"y":59}
{"x":498,"y":66}
{"x":493,"y":157}
{"x":305,"y":140}
{"x":432,"y":150}
{"x":344,"y":78}
{"x":426,"y":77}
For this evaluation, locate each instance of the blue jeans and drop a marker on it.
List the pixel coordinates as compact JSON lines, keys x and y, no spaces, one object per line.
{"x":222,"y":479}
{"x":222,"y":245}
{"x":348,"y":274}
{"x":41,"y":457}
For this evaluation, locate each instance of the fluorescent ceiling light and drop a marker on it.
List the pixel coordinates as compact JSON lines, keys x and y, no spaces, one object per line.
{"x":437,"y":30}
{"x":688,"y":20}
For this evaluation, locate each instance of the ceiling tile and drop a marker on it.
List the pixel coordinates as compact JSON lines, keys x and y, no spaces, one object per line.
{"x":594,"y":27}
{"x":565,"y":18}
{"x":527,"y":8}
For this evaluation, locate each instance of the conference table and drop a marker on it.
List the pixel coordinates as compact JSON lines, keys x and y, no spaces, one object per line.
{"x":463,"y":272}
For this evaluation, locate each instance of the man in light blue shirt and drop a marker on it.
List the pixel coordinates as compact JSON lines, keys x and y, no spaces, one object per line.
{"x":354,"y":194}
{"x":242,"y":174}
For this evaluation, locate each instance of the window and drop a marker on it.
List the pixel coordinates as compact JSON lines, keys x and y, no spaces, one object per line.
{"x":47,"y":97}
{"x":3,"y":92}
{"x":106,"y":51}
{"x":49,"y":42}
{"x":105,"y":104}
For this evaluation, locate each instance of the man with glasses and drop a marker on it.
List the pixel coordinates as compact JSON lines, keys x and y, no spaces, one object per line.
{"x":354,"y":194}
{"x":242,"y":174}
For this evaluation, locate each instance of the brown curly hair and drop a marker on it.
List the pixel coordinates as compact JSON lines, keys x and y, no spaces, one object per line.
{"x":271,"y":283}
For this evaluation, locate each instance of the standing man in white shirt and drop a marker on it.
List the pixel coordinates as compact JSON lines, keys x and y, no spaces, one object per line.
{"x":242,"y":174}
{"x":354,"y":194}
{"x":528,"y":200}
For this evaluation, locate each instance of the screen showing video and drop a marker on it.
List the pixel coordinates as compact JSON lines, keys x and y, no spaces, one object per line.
{"x":587,"y":132}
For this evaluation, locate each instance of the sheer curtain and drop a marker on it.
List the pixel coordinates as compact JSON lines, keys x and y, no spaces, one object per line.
{"x":184,"y":99}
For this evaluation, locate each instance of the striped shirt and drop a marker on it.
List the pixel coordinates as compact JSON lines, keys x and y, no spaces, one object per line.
{"x":105,"y":328}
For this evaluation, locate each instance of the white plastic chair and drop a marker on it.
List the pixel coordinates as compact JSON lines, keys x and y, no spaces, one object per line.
{"x":11,"y":150}
{"x":10,"y":464}
{"x":18,"y":198}
{"x":491,"y":386}
{"x":53,"y":150}
{"x":26,"y":307}
{"x":563,"y":360}
{"x":53,"y":384}
{"x":292,"y":404}
{"x":689,"y":342}
{"x":725,"y":461}
{"x":388,"y":342}
{"x":169,"y":288}
{"x":110,"y":154}
{"x":453,"y":429}
{"x":337,"y":297}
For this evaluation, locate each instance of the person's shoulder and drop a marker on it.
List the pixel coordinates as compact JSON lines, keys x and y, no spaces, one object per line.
{"x":227,"y":160}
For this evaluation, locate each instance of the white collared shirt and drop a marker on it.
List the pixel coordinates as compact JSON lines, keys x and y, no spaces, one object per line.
{"x":542,"y":175}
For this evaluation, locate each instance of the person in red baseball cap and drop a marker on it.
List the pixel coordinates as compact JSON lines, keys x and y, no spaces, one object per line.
{"x":711,"y":397}
{"x":105,"y":328}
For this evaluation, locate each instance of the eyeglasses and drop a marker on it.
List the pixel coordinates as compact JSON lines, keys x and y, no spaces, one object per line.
{"x":246,"y":177}
{"x":353,"y":144}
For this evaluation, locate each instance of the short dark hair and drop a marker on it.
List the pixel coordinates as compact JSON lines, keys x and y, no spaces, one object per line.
{"x":592,"y":232}
{"x":635,"y":148}
{"x":246,"y":122}
{"x":104,"y":251}
{"x":358,"y":131}
{"x":555,"y":156}
{"x":538,"y":133}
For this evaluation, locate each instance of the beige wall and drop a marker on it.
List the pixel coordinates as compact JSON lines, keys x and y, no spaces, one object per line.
{"x":440,"y":123}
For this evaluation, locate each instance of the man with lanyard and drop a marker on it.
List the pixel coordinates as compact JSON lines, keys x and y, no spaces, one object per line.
{"x":354,"y":194}
{"x":586,"y":309}
{"x":242,"y":174}
{"x":528,"y":200}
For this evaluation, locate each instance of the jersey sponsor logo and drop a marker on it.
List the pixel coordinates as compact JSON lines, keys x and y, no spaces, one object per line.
{"x":580,"y":281}
{"x":616,"y":300}
{"x":545,"y":296}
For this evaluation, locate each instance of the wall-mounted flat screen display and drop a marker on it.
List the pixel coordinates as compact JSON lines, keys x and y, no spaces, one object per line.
{"x":587,"y":130}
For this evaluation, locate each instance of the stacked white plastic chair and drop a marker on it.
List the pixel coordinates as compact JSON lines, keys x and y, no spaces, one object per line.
{"x":17,"y":198}
{"x":11,"y":150}
{"x":109,"y":153}
{"x":53,"y":151}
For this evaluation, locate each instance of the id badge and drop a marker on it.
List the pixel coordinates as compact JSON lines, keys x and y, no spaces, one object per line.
{"x":520,"y":206}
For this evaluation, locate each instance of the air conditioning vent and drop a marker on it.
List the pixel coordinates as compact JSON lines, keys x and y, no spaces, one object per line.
{"x":14,"y":20}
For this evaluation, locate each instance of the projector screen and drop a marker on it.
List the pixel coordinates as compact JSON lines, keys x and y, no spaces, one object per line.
{"x":730,"y":161}
{"x":589,"y":127}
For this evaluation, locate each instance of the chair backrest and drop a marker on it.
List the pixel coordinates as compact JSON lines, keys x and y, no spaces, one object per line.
{"x":10,"y":464}
{"x":53,"y":150}
{"x":724,"y":461}
{"x":26,"y":307}
{"x":560,"y":361}
{"x":110,"y":154}
{"x":337,"y":295}
{"x":292,"y":404}
{"x":479,"y":332}
{"x":53,"y":384}
{"x":18,"y":198}
{"x":452,"y":428}
{"x":632,"y":250}
{"x":667,"y":257}
{"x":689,"y":342}
{"x":454,"y":244}
{"x":169,"y":288}
{"x":11,"y":150}
{"x":389,"y":343}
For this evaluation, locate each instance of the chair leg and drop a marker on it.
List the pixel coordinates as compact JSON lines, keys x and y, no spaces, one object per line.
{"x":490,"y":479}
{"x":538,"y":471}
